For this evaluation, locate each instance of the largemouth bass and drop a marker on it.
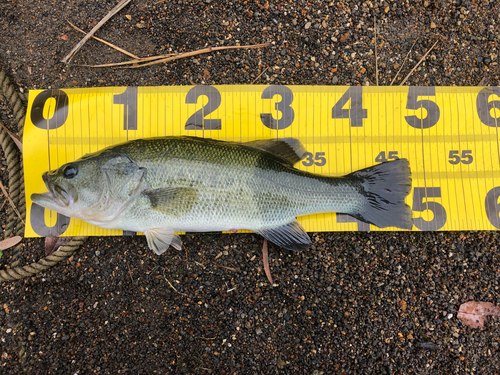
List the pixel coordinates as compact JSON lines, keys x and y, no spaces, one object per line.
{"x":186,"y":184}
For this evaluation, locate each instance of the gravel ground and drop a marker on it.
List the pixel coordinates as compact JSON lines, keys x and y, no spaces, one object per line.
{"x":356,"y":303}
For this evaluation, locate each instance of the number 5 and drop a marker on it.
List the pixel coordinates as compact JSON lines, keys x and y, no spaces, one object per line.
{"x":419,"y":205}
{"x":432,"y":108}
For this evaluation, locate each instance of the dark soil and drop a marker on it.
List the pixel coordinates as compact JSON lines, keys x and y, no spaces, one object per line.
{"x":356,"y":303}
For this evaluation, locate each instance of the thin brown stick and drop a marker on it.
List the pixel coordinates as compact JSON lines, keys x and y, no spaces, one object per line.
{"x":265,"y":260}
{"x":175,"y":57}
{"x":404,"y":61}
{"x":376,"y":62}
{"x":130,"y":273}
{"x":111,"y":13}
{"x":11,"y":202}
{"x":3,"y":204}
{"x":106,"y":43}
{"x":416,"y":66}
{"x":169,"y":283}
{"x":227,"y":268}
{"x":255,"y":80}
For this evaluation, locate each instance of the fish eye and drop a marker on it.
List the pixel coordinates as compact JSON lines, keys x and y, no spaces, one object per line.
{"x":70,"y":171}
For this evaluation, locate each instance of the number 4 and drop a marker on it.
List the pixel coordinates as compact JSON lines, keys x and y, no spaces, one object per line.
{"x":356,"y":113}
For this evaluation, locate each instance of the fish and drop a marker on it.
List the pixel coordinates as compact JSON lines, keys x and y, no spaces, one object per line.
{"x":160,"y":186}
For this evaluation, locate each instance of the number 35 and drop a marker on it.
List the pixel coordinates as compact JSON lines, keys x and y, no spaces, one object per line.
{"x":319,"y":159}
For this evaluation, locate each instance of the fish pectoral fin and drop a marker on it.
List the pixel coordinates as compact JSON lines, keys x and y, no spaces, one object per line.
{"x":124,"y":177}
{"x":174,"y":201}
{"x":159,"y":239}
{"x":290,"y":150}
{"x":291,"y":236}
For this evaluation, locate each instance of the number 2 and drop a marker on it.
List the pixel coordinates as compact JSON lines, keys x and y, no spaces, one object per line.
{"x":197,"y":120}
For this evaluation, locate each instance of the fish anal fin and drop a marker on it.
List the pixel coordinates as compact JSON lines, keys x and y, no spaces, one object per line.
{"x":159,"y":239}
{"x":291,"y":236}
{"x":290,"y":150}
{"x":173,"y":201}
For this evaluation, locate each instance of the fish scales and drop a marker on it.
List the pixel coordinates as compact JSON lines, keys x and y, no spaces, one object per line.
{"x":238,"y":187}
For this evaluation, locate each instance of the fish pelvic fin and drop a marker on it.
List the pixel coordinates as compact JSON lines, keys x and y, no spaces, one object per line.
{"x":291,"y":236}
{"x":289,"y":150}
{"x":385,"y":187}
{"x":159,"y":239}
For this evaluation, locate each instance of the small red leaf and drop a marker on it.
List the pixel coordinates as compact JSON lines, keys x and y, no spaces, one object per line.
{"x":474,"y":313}
{"x":9,"y":242}
{"x":54,"y":243}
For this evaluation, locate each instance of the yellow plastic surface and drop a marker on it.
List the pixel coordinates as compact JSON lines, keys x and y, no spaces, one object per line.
{"x":454,"y":155}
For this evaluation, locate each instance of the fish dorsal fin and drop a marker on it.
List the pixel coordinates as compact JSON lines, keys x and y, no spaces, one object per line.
{"x":172,"y":201}
{"x":291,"y":236}
{"x":290,"y":150}
{"x":159,"y":239}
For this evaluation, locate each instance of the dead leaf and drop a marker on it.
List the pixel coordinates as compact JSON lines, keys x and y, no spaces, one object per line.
{"x":344,"y":37}
{"x":206,"y":73}
{"x":64,"y":37}
{"x":265,"y":260}
{"x":14,"y":137}
{"x":474,"y":313}
{"x":9,"y":242}
{"x":54,"y":243}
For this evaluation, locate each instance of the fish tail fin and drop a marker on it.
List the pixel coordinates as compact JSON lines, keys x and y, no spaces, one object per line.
{"x":385,"y":187}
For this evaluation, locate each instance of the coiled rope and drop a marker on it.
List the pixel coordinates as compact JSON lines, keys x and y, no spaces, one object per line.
{"x":14,"y":225}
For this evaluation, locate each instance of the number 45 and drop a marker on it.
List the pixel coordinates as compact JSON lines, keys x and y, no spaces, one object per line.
{"x":391,"y":155}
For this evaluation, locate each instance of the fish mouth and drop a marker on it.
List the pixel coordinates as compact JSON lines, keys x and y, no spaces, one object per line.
{"x":56,"y":197}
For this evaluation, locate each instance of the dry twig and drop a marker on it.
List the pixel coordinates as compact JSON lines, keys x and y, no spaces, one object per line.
{"x":173,"y":287}
{"x":11,"y":202}
{"x":227,"y":268}
{"x":111,"y":13}
{"x":416,"y":66}
{"x":106,"y":43}
{"x":255,"y":80}
{"x":404,"y":61}
{"x":170,"y":57}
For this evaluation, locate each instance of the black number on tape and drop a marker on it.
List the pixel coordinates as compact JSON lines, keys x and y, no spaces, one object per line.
{"x":433,"y":112}
{"x":344,"y":218}
{"x":129,"y":100}
{"x":60,"y":113}
{"x":287,"y":112}
{"x":493,"y":207}
{"x":484,"y":107}
{"x":356,"y":113}
{"x":391,"y":155}
{"x":466,"y":158}
{"x":197,"y":119}
{"x":419,"y":205}
{"x":37,"y":219}
{"x":319,"y":159}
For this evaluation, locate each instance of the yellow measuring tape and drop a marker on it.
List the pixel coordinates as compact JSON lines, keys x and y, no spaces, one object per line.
{"x":450,"y":136}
